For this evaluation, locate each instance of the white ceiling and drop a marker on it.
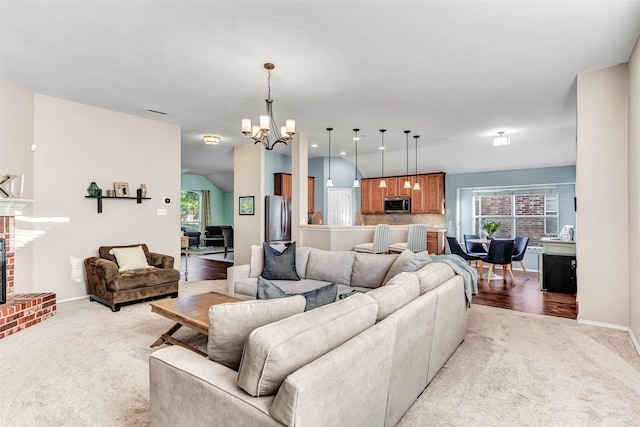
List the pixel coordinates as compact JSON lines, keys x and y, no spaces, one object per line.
{"x":454,"y":72}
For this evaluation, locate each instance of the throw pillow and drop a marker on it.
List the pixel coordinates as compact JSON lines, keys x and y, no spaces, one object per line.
{"x":369,"y":270}
{"x":230,"y":325}
{"x":315,"y":297}
{"x":407,"y":261}
{"x":132,"y":258}
{"x":279,"y":265}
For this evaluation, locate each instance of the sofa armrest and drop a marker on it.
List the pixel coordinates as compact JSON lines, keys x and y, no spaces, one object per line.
{"x":237,"y":272}
{"x":188,"y":389}
{"x":99,"y":272}
{"x":161,"y":260}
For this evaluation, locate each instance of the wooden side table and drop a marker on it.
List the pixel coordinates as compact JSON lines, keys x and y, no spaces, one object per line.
{"x":184,"y":244}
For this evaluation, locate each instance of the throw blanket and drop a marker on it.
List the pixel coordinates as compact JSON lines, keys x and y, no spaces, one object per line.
{"x":461,"y":268}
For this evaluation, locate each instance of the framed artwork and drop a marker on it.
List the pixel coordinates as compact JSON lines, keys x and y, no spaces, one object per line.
{"x":122,"y":189}
{"x":245,"y":204}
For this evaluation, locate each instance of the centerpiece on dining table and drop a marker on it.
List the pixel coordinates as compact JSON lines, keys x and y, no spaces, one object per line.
{"x":490,"y":228}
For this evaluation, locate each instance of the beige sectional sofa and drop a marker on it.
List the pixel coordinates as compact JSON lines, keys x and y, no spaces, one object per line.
{"x":361,"y":361}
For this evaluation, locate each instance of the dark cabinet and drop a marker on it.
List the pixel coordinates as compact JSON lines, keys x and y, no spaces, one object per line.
{"x":559,"y":273}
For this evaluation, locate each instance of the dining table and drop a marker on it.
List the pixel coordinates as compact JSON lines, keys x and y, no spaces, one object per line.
{"x":485,"y":244}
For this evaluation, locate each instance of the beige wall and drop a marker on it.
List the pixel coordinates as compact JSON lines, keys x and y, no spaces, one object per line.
{"x":248,"y":170}
{"x":634,"y":192}
{"x":77,"y":144}
{"x":16,"y":137}
{"x":602,"y":196}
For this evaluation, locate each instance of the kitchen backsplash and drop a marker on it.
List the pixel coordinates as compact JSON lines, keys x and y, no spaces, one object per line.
{"x":434,"y":220}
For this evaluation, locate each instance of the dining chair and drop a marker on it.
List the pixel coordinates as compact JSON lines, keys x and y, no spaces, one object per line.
{"x":416,"y":240}
{"x":227,"y":234}
{"x":519,"y":249}
{"x":456,"y":249}
{"x":380,"y":244}
{"x":474,"y":248}
{"x":500,"y":252}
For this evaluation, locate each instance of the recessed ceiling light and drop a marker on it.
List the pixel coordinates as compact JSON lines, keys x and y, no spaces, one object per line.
{"x":342,"y":153}
{"x":314,"y":145}
{"x":381,"y":148}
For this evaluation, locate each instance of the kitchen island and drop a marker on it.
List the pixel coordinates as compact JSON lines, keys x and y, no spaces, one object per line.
{"x":344,"y":237}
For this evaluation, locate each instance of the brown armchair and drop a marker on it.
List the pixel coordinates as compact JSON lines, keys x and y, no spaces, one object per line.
{"x":114,"y":288}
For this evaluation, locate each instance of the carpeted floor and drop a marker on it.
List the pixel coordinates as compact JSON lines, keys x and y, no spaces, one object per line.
{"x":88,"y":366}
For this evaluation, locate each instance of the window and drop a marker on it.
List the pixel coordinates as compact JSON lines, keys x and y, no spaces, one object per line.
{"x":190,"y":202}
{"x":522,"y":211}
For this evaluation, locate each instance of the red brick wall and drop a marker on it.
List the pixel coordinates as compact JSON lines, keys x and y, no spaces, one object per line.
{"x":20,"y":310}
{"x":7,"y":231}
{"x":525,"y":205}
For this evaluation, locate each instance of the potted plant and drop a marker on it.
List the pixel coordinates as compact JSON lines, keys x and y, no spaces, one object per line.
{"x":490,"y":227}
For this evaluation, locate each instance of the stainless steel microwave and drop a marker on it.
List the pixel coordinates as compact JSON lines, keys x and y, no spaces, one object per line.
{"x":397,"y":205}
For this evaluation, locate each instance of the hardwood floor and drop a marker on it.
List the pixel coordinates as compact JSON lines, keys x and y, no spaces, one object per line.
{"x":204,"y":269}
{"x":524,"y":296}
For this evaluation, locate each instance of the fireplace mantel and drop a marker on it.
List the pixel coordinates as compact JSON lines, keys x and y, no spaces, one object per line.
{"x":8,"y":207}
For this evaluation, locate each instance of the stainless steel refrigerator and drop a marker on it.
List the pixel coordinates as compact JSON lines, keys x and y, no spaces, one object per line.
{"x":278,"y":219}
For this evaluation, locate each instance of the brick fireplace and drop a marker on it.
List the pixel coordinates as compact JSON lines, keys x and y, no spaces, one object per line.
{"x":20,"y":310}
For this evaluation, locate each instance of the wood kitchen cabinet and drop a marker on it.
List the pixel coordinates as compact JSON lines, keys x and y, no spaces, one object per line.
{"x":282,"y":186}
{"x":434,"y":193}
{"x":428,"y":200}
{"x":366,"y":198}
{"x":435,"y":242}
{"x":371,"y":196}
{"x":418,"y":196}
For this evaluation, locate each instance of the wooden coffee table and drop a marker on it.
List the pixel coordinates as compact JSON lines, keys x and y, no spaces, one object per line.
{"x":191,"y":311}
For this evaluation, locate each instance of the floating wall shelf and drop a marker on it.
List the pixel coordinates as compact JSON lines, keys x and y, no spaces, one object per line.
{"x":100,"y":197}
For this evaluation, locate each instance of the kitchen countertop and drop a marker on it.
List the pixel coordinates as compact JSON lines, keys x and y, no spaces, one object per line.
{"x":366,"y":227}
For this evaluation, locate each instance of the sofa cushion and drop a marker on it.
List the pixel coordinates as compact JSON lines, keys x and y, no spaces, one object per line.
{"x":134,"y":279}
{"x":231,"y":323}
{"x":407,"y":261}
{"x":433,"y":275}
{"x":330,"y":266}
{"x":132,"y":258}
{"x":400,"y":291}
{"x":274,"y":351}
{"x":257,"y":261}
{"x":369,"y":270}
{"x":315,"y":297}
{"x":279,"y":265}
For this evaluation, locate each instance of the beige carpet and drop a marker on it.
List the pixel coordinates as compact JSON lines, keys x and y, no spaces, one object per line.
{"x":88,"y":366}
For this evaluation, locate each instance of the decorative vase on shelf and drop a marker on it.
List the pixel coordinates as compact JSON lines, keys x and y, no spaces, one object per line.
{"x":93,"y":189}
{"x":143,"y":190}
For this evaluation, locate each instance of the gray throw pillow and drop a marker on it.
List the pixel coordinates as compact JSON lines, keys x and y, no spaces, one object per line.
{"x":315,"y":297}
{"x":408,"y":261}
{"x":279,"y":265}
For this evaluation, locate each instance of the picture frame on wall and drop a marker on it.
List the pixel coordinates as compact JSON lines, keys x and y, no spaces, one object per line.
{"x":245,"y":205}
{"x":121,"y":189}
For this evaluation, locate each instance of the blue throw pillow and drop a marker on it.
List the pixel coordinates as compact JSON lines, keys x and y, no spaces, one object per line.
{"x":315,"y":297}
{"x":279,"y":265}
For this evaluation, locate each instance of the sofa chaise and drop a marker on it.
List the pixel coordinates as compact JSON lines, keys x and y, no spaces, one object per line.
{"x":361,"y":361}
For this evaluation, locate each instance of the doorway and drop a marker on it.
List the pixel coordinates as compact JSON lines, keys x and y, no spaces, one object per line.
{"x":339,"y":206}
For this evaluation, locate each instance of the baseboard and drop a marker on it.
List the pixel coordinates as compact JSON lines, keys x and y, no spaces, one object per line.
{"x":73,"y":299}
{"x":603,"y":325}
{"x":618,"y":327}
{"x":634,"y":340}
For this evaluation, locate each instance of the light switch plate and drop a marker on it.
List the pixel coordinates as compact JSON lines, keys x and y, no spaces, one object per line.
{"x":161,"y":211}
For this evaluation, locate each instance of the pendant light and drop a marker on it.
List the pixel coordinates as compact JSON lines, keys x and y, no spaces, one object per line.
{"x":383,"y":183}
{"x":329,"y":182}
{"x":416,"y":185}
{"x":407,"y":183}
{"x":356,"y":183}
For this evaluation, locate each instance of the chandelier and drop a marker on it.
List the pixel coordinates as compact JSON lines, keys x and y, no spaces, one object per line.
{"x":267,"y":128}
